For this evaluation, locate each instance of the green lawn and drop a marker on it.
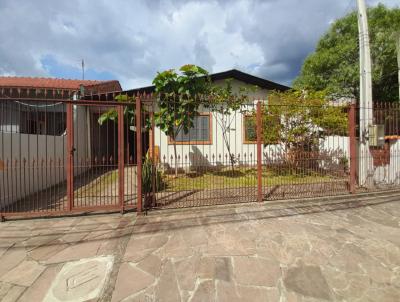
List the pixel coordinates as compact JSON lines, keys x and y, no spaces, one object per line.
{"x":98,"y":185}
{"x":242,"y":177}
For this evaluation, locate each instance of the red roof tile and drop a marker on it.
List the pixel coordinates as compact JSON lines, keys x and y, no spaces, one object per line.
{"x":51,"y":83}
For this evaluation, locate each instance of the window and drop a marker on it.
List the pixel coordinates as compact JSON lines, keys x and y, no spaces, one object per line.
{"x":200,"y":133}
{"x":250,"y":129}
{"x":43,"y":123}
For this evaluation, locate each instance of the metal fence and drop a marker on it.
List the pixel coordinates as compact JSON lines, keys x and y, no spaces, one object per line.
{"x":111,"y":152}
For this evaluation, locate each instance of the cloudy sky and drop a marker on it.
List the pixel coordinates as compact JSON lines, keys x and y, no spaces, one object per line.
{"x":132,"y":40}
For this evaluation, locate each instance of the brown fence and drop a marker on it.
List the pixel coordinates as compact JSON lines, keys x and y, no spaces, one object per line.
{"x":111,"y":153}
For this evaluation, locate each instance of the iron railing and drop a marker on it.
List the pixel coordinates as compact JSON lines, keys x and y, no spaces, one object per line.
{"x":57,"y":158}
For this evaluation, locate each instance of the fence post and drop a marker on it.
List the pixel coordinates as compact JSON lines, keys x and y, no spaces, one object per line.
{"x":139,"y":153}
{"x":70,"y":156}
{"x":153,"y":161}
{"x":352,"y":147}
{"x":259,"y":153}
{"x":121,"y":158}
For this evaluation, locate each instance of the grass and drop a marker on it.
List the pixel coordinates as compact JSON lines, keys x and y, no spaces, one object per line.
{"x":98,"y":185}
{"x":242,"y":177}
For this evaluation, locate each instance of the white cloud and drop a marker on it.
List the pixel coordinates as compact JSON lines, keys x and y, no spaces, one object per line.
{"x":135,"y":39}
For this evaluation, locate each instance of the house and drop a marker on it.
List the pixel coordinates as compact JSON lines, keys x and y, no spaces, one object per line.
{"x":33,"y":131}
{"x":210,"y":142}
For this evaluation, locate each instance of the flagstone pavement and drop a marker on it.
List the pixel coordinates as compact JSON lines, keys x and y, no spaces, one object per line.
{"x":315,"y":250}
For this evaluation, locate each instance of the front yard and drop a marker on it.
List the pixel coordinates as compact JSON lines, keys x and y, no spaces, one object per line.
{"x":240,"y":177}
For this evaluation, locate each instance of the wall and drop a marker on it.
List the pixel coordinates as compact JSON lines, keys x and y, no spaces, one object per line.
{"x":389,"y":174}
{"x":37,"y":162}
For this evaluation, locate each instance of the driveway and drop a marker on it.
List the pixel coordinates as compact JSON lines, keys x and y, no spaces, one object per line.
{"x":317,"y":250}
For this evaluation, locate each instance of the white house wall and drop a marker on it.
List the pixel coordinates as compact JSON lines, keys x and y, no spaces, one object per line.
{"x":389,"y":174}
{"x":29,"y":147}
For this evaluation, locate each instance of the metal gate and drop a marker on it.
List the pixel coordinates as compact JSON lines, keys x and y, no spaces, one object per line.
{"x":57,"y":158}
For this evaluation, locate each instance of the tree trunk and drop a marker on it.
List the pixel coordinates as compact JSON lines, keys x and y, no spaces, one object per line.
{"x":231,"y":156}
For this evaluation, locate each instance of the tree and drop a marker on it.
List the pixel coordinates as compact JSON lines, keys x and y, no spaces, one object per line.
{"x":178,"y":100}
{"x":112,"y":114}
{"x":223,"y":102}
{"x":334,"y":66}
{"x":298,"y":120}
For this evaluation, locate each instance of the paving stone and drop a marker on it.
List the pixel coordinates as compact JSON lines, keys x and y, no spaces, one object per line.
{"x":139,"y":247}
{"x":187,"y":271}
{"x":307,"y":280}
{"x":176,"y":247}
{"x":204,"y":291}
{"x":74,"y":236}
{"x":13,"y":294}
{"x":151,"y":264}
{"x":81,"y":280}
{"x":166,"y":289}
{"x":228,"y":292}
{"x":219,"y":268}
{"x":24,"y":274}
{"x":76,"y":252}
{"x":10,"y":259}
{"x":130,"y":281}
{"x":256,"y":271}
{"x":44,"y":252}
{"x":39,"y":288}
{"x":39,"y":240}
{"x":4,"y":288}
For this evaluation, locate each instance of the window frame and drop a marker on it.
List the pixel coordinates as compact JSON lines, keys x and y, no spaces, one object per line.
{"x":245,"y":140}
{"x":197,"y":142}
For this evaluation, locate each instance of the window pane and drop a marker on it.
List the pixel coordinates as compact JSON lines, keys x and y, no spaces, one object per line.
{"x":199,"y":132}
{"x":250,"y":129}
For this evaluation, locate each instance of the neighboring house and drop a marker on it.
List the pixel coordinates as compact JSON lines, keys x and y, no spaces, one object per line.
{"x":33,"y":134}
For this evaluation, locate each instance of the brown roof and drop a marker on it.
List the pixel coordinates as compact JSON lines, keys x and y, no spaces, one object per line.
{"x":51,"y":83}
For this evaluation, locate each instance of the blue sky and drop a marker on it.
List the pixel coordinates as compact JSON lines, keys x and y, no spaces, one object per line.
{"x":131,"y":40}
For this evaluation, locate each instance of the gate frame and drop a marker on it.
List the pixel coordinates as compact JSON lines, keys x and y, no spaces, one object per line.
{"x":69,"y":158}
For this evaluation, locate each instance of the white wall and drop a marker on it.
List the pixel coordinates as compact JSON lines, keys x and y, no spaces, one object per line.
{"x":17,"y":182}
{"x":389,"y":174}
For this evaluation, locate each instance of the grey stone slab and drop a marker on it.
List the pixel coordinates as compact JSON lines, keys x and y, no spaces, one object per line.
{"x":130,"y":281}
{"x":229,"y":292}
{"x":39,"y":288}
{"x":204,"y":291}
{"x":187,"y":271}
{"x":81,"y":280}
{"x":166,"y":289}
{"x":151,"y":264}
{"x":256,"y":271}
{"x":24,"y":274}
{"x":219,"y":268}
{"x":44,"y":252}
{"x":10,"y":259}
{"x":308,"y":281}
{"x":75,"y":252}
{"x":13,"y":294}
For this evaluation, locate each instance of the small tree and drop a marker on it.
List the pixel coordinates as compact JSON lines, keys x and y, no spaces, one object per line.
{"x":223,"y":103}
{"x":178,"y":100}
{"x":297,"y":120}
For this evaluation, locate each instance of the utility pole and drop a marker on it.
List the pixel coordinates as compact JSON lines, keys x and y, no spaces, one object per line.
{"x":83,"y":69}
{"x":397,"y":37}
{"x":366,"y":168}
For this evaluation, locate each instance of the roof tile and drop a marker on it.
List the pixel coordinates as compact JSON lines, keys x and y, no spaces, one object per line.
{"x":51,"y":83}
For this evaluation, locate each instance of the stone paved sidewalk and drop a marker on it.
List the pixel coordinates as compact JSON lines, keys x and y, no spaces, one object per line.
{"x":321,"y":250}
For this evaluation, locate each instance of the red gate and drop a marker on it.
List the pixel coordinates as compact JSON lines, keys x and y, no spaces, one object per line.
{"x":57,"y":157}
